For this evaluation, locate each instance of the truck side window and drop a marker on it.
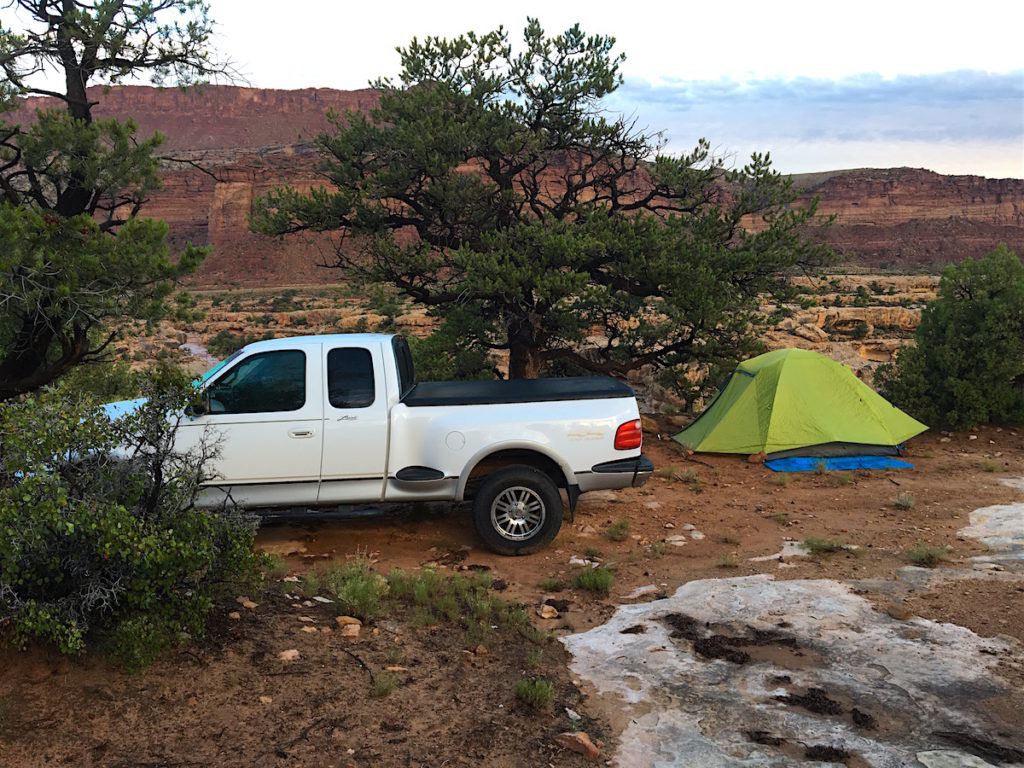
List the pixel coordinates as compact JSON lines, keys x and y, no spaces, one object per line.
{"x":267,"y":382}
{"x":350,"y":378}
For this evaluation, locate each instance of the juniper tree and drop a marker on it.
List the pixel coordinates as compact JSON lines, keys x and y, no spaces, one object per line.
{"x":492,"y":187}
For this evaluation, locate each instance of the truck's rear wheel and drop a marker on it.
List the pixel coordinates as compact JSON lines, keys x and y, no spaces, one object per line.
{"x":517,"y":510}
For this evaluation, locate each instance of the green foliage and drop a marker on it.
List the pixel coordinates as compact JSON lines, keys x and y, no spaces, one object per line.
{"x":619,"y":530}
{"x":104,"y":382}
{"x":384,"y":684}
{"x":72,"y":276}
{"x":445,"y":355}
{"x":597,"y":580}
{"x":967,"y":365}
{"x":535,"y":692}
{"x":356,"y":589}
{"x":551,"y":584}
{"x":927,"y":556}
{"x":861,"y":297}
{"x":75,"y":258}
{"x":100,"y":542}
{"x":542,"y":217}
{"x":817,"y":546}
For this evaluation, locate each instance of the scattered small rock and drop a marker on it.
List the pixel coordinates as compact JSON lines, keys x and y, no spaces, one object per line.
{"x":547,"y":612}
{"x":320,"y":599}
{"x":246,"y":603}
{"x":310,"y":630}
{"x":266,"y":700}
{"x":558,"y":604}
{"x":307,"y":619}
{"x":342,"y":621}
{"x":480,"y":650}
{"x":579,"y":741}
{"x":670,"y":526}
{"x":291,"y":654}
{"x":573,"y":715}
{"x":235,"y":616}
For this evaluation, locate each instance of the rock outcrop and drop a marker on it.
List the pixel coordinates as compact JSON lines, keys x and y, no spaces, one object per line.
{"x":248,"y":141}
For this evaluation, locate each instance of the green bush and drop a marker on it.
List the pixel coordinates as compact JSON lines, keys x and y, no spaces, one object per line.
{"x":598,"y":580}
{"x":100,"y":542}
{"x":967,"y":366}
{"x":105,"y":381}
{"x":535,"y":692}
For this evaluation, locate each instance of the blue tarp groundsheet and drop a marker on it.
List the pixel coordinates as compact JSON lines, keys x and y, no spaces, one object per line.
{"x":836,"y":463}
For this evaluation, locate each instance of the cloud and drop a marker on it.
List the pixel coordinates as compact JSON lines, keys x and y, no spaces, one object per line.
{"x":961,"y":114}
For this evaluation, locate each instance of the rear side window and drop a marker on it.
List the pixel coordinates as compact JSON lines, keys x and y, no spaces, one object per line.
{"x":269,"y":382}
{"x":350,"y":381}
{"x":403,"y":359}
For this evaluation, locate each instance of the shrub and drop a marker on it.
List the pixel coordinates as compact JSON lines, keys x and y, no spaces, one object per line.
{"x":904,"y":501}
{"x":535,"y":692}
{"x":356,"y":589}
{"x":101,"y":543}
{"x":551,"y":584}
{"x":824,"y":546}
{"x":967,"y":366}
{"x":619,"y":530}
{"x":598,"y":580}
{"x":384,"y":683}
{"x":926,"y":556}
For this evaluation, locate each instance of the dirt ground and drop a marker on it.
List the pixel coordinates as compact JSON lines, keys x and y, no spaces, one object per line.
{"x":699,"y":517}
{"x":738,"y":511}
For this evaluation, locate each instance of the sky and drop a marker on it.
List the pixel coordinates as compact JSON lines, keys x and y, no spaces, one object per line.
{"x":821,"y":85}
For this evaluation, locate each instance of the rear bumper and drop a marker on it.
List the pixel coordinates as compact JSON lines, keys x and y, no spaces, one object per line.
{"x":621,"y":473}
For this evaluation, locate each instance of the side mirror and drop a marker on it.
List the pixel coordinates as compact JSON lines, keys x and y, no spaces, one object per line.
{"x":198,"y":407}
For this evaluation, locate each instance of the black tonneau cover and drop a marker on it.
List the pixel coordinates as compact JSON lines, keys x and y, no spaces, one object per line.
{"x":429,"y":393}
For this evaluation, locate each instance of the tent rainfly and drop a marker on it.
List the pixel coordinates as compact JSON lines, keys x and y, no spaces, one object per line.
{"x":794,"y":402}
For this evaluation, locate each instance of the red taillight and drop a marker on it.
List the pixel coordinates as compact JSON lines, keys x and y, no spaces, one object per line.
{"x":629,"y":436}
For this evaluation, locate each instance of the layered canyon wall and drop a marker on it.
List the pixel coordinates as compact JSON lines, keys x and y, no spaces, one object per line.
{"x":248,"y":141}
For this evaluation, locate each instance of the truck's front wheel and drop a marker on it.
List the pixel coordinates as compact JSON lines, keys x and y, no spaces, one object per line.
{"x":517,"y":510}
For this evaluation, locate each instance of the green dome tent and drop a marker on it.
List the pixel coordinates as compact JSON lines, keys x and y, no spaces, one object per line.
{"x":797,"y":402}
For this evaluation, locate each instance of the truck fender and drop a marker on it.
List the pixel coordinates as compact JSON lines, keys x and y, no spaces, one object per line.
{"x":516,"y":445}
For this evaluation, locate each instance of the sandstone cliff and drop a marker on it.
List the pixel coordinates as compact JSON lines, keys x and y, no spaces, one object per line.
{"x":251,"y":140}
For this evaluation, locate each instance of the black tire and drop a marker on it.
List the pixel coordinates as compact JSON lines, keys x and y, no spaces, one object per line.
{"x":512,"y":482}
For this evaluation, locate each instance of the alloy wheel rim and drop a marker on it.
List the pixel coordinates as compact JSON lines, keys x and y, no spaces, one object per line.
{"x":518,"y":513}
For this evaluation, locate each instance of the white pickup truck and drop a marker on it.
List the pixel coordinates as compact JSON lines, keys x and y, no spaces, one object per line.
{"x":322,"y":421}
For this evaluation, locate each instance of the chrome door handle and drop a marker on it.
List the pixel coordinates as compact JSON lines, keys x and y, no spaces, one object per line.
{"x":299,"y":434}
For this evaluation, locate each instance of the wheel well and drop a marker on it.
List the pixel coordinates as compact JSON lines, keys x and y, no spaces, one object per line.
{"x":510,"y":457}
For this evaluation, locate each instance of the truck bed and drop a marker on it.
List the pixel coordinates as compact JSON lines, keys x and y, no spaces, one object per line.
{"x":435,"y":393}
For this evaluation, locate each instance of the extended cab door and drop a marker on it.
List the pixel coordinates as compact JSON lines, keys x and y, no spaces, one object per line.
{"x":355,"y":424}
{"x":266,"y":414}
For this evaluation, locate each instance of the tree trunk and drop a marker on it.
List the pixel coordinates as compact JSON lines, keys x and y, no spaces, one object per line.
{"x":524,"y":361}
